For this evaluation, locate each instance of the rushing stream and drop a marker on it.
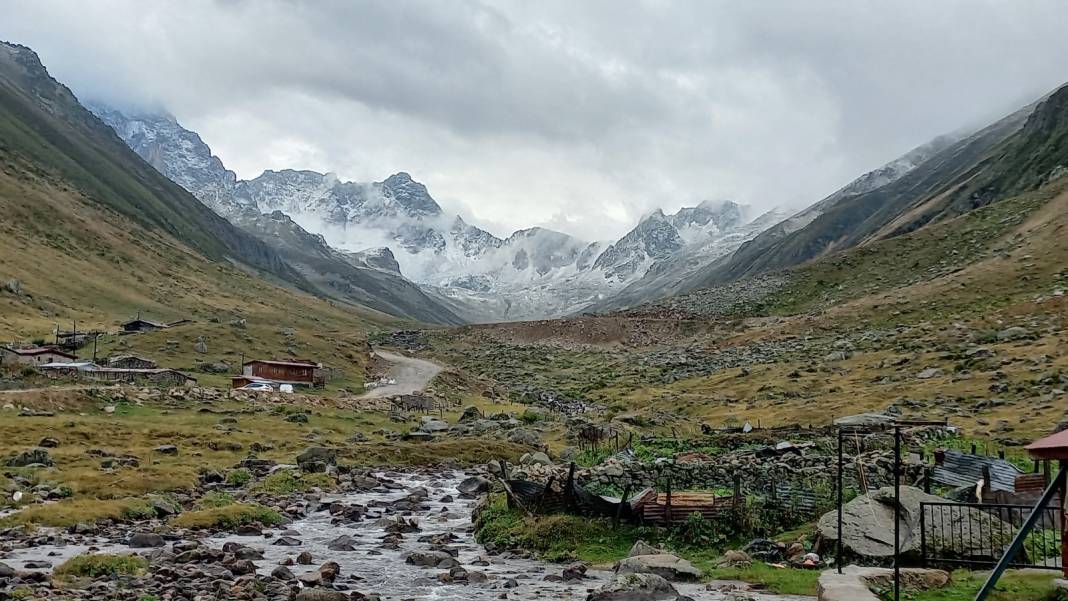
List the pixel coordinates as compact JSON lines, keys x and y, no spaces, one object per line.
{"x":371,"y":567}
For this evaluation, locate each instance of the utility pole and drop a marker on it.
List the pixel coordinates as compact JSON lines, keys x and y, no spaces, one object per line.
{"x":95,"y":337}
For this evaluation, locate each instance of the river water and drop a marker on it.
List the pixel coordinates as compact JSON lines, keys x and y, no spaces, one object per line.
{"x":370,"y":568}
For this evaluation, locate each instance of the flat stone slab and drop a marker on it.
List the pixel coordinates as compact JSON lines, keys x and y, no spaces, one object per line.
{"x":854,"y":582}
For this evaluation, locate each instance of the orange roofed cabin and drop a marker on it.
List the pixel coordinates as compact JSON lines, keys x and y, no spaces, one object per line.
{"x":295,"y":372}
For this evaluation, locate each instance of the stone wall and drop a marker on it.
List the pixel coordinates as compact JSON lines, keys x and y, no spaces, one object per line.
{"x":815,"y":473}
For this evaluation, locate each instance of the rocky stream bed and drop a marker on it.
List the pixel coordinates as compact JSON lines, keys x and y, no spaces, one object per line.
{"x":408,"y":537}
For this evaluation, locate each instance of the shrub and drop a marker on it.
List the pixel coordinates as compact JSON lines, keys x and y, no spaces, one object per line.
{"x":286,"y":482}
{"x":696,"y":531}
{"x":92,"y":566}
{"x":239,"y":477}
{"x":216,"y":498}
{"x":228,"y":516}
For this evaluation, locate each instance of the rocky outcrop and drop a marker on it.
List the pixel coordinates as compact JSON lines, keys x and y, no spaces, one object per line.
{"x":665,"y":565}
{"x":868,"y":526}
{"x":635,"y":587}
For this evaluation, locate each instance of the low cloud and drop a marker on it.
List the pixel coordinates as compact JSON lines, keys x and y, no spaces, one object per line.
{"x":579,"y":116}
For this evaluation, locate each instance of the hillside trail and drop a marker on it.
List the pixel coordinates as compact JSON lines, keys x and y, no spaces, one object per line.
{"x":410,"y":375}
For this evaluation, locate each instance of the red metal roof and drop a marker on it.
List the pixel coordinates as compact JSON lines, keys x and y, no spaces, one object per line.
{"x":1054,"y":446}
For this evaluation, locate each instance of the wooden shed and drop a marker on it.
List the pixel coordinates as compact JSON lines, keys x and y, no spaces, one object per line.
{"x":668,"y":509}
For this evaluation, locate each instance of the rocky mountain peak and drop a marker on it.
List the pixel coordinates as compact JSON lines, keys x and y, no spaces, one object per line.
{"x":411,"y":195}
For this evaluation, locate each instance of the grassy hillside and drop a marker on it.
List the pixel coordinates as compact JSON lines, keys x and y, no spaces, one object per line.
{"x":965,"y":319}
{"x":1013,"y":156}
{"x":42,"y":123}
{"x":78,"y":261}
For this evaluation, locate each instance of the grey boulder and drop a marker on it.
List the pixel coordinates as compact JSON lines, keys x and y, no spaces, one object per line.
{"x":665,"y":565}
{"x":635,"y":587}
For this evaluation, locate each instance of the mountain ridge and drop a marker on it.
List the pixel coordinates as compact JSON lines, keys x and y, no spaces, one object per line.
{"x":532,"y":273}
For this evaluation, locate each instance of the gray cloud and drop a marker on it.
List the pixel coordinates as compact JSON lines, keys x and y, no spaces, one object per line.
{"x":581,"y":116}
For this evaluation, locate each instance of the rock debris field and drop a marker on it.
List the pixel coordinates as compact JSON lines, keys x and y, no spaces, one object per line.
{"x":409,"y":537}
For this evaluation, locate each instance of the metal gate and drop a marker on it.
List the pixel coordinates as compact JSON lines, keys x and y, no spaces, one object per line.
{"x":977,"y":535}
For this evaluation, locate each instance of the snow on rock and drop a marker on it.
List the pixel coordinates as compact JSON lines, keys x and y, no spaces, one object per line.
{"x":396,"y":225}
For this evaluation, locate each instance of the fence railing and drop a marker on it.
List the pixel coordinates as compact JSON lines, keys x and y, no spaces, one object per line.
{"x":977,"y":535}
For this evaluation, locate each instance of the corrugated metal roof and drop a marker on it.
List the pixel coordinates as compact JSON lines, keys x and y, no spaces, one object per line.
{"x":964,"y":469}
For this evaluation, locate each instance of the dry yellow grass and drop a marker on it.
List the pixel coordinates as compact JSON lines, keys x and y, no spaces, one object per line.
{"x":76,"y":261}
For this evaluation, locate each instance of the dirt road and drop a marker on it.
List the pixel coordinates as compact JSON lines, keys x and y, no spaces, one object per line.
{"x":411,"y":375}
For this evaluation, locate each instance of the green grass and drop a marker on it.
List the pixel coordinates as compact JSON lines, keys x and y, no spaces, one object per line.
{"x":215,"y":498}
{"x":555,"y":537}
{"x":285,"y":482}
{"x":784,"y":581}
{"x":238,"y":477}
{"x":903,"y":260}
{"x":81,"y":511}
{"x":92,"y":566}
{"x":568,"y":538}
{"x":1013,"y":586}
{"x":228,"y":516}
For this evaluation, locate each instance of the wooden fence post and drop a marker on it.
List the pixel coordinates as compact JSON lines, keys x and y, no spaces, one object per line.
{"x":569,"y":496}
{"x":667,"y":507}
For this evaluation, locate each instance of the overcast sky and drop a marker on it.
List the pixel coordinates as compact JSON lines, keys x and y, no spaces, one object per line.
{"x":578,"y":115}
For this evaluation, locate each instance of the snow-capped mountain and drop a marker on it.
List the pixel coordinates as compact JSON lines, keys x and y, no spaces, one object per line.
{"x":395,"y":228}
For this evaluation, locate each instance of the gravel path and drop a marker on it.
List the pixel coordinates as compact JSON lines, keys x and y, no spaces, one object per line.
{"x":411,"y":375}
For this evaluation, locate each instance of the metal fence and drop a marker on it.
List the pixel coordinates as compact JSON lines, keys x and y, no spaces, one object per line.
{"x":977,"y":535}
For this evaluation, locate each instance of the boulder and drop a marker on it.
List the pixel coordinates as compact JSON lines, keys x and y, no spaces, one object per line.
{"x":475,"y":485}
{"x":320,"y":594}
{"x":242,"y":567}
{"x":342,"y":543}
{"x":214,"y":368}
{"x":470,"y":414}
{"x":634,"y":587}
{"x":643,"y":548}
{"x":6,"y":571}
{"x":34,"y":456}
{"x":735,"y":559}
{"x":868,"y":522}
{"x":166,"y":449}
{"x":665,"y":565}
{"x":1013,"y":333}
{"x":282,"y":573}
{"x":145,"y":540}
{"x":434,"y":425}
{"x":539,"y":458}
{"x":523,"y":436}
{"x":427,"y":558}
{"x":317,"y":455}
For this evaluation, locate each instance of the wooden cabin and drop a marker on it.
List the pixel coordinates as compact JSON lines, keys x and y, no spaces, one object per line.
{"x":296,"y":372}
